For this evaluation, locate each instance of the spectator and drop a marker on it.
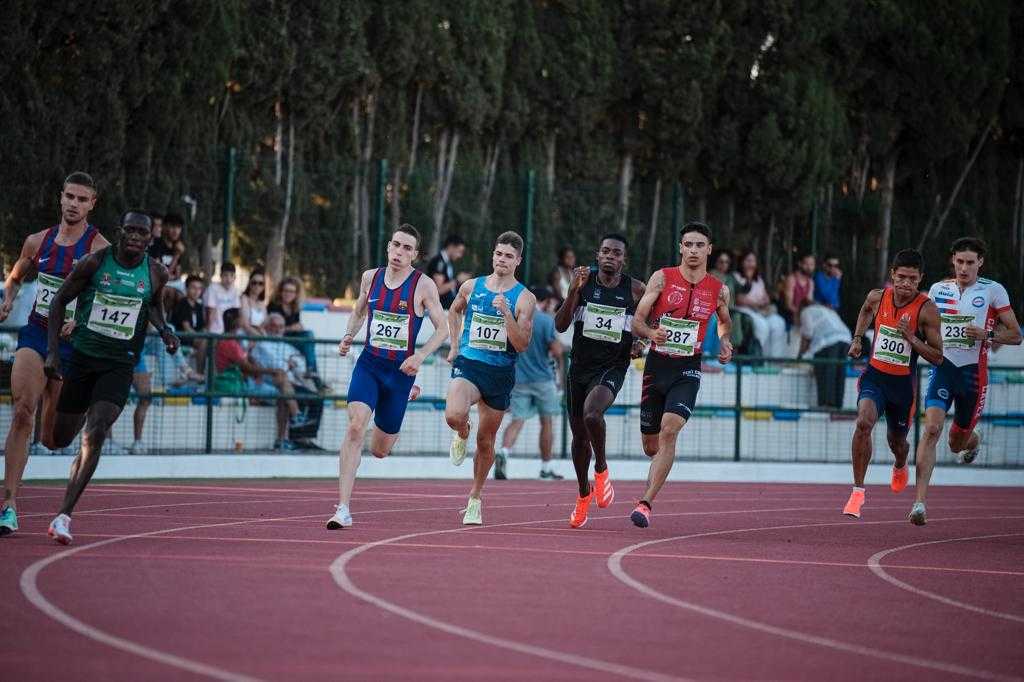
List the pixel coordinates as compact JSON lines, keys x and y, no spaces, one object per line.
{"x":237,"y":372}
{"x":442,"y":269}
{"x":253,"y":306}
{"x":560,"y":276}
{"x":536,"y":389}
{"x":221,"y":297}
{"x":752,"y":299}
{"x":825,"y":336}
{"x":288,"y":303}
{"x":189,"y":316}
{"x":720,"y":267}
{"x":799,"y":287}
{"x":276,"y":353}
{"x":157,"y":229}
{"x":827,"y":282}
{"x":168,"y":247}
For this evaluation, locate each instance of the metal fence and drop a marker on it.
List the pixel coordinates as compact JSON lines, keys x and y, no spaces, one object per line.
{"x":753,"y":409}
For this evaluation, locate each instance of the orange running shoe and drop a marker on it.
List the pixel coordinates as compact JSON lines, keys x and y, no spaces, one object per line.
{"x":854,"y":504}
{"x":578,"y":518}
{"x":641,"y":515}
{"x":899,"y":478}
{"x":603,"y":490}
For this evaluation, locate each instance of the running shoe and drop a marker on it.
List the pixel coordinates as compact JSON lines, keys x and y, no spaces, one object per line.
{"x":604,"y":493}
{"x":900,"y":476}
{"x":342,"y":518}
{"x":548,"y":473}
{"x":112,"y":447}
{"x":285,"y":444}
{"x":471,"y":515}
{"x":457,"y":451}
{"x":578,"y":518}
{"x":8,"y":520}
{"x":968,"y":456}
{"x":60,"y":529}
{"x":499,"y":467}
{"x":917,"y":514}
{"x":137,"y":448}
{"x":641,"y":515}
{"x":854,"y":504}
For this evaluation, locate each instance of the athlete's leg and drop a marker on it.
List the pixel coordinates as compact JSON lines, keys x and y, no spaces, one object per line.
{"x":99,"y":420}
{"x":352,"y":449}
{"x":867,"y":416}
{"x":661,"y":463}
{"x":547,"y":437}
{"x":597,"y":403}
{"x":934,"y":418}
{"x":381,"y":443}
{"x":27,"y":386}
{"x":461,"y":395}
{"x":899,"y":446}
{"x":48,"y":412}
{"x":490,"y":420}
{"x":143,"y":383}
{"x":511,"y":434}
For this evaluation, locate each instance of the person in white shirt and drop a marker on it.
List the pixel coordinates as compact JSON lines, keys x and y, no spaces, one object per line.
{"x":969,"y":309}
{"x":825,"y":336}
{"x":220,"y":296}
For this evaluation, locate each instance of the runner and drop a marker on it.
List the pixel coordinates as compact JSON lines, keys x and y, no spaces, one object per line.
{"x":119,"y":291}
{"x":491,"y":321}
{"x":51,"y":253}
{"x":969,"y":309}
{"x":600,"y":306}
{"x":680,"y":300}
{"x":903,"y":315}
{"x":396,"y":298}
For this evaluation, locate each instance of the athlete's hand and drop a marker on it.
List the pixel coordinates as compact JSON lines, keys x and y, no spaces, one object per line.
{"x":659,"y":336}
{"x":411,"y":365}
{"x":976,"y":333}
{"x":638,"y":348}
{"x":5,"y":308}
{"x":501,"y":303}
{"x":52,"y":367}
{"x":67,"y":328}
{"x":414,"y":393}
{"x":580,"y":276}
{"x":904,"y":327}
{"x":855,"y":349}
{"x":725,"y":351}
{"x":345,"y":345}
{"x":171,"y":342}
{"x":452,"y":354}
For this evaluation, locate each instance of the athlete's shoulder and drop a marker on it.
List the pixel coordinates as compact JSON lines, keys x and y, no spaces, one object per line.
{"x":33,"y":242}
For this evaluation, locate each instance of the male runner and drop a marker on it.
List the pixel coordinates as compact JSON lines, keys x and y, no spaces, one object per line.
{"x":51,"y":253}
{"x":969,"y":308}
{"x":600,"y":306}
{"x":680,"y":301}
{"x":118,"y":291}
{"x":396,"y":298}
{"x":491,"y":321}
{"x":903,"y":315}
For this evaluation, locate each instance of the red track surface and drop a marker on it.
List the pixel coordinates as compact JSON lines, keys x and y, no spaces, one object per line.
{"x":240,"y":580}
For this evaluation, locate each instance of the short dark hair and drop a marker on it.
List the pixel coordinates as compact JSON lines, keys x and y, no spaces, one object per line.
{"x":561,"y":252}
{"x":453,"y":240}
{"x":909,"y":258}
{"x":156,"y":215}
{"x":968,"y":244}
{"x":616,"y":236}
{"x":194,"y":278}
{"x":81,"y":178}
{"x":513,"y":240}
{"x":227,"y":266}
{"x":542,"y":293}
{"x":230,"y":318}
{"x":410,"y":230}
{"x":136,"y":215}
{"x":695,"y":226}
{"x":174,"y":219}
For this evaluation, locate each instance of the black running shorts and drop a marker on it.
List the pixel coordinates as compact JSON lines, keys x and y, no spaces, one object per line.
{"x":670,"y":385}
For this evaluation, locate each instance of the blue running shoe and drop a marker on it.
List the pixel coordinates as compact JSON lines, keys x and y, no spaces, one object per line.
{"x":8,"y":521}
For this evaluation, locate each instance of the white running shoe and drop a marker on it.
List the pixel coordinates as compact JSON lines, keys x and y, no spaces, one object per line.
{"x":60,"y":529}
{"x":968,"y":456}
{"x":457,"y":451}
{"x":471,"y":515}
{"x":342,"y":518}
{"x":111,"y":447}
{"x":137,"y":448}
{"x":917,"y":514}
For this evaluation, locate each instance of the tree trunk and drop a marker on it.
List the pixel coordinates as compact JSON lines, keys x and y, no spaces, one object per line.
{"x":789,"y":245}
{"x":702,"y":208}
{"x":652,"y":234}
{"x":860,"y":169}
{"x":549,"y":166}
{"x":365,"y":172}
{"x":730,"y":220}
{"x":1018,"y":209}
{"x":278,"y":143}
{"x":625,"y":180}
{"x":446,"y":157}
{"x":487,"y":188}
{"x":354,"y":202}
{"x":769,"y":267}
{"x":885,"y":216}
{"x":394,"y":197}
{"x":414,"y":143}
{"x":276,"y":246}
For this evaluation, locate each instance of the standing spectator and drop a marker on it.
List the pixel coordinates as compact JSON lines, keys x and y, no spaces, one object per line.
{"x":799,"y":287}
{"x":253,"y":306}
{"x":752,"y":299}
{"x":826,"y":337}
{"x":157,"y":229}
{"x":560,"y":276}
{"x":189,"y":316}
{"x":827,"y":282}
{"x":168,"y":247}
{"x":442,"y":269}
{"x":221,"y":296}
{"x":288,"y":303}
{"x":536,"y":389}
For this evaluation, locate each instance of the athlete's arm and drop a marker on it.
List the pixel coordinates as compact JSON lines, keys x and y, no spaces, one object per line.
{"x":455,"y":314}
{"x":567,"y":310}
{"x":555,"y":351}
{"x":724,"y":326}
{"x":638,"y":344}
{"x":355,"y":320}
{"x":519,"y":326}
{"x":74,"y":285}
{"x":641,"y":328}
{"x":1009,"y":333}
{"x":864,"y":317}
{"x":99,"y":243}
{"x":158,"y":274}
{"x":426,"y":290}
{"x":23,"y":268}
{"x":928,"y":321}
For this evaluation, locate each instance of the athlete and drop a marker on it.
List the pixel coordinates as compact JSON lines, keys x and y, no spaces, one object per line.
{"x":599,"y":305}
{"x":395,"y":298}
{"x":680,"y":301}
{"x":491,"y":322}
{"x":119,"y":291}
{"x":906,"y":325}
{"x":969,"y":309}
{"x":51,"y":254}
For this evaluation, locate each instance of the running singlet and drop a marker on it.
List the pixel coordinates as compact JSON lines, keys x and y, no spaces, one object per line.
{"x":393,"y":325}
{"x":978,"y":305}
{"x":484,"y":337}
{"x":54,"y":263}
{"x":683,"y":309}
{"x":890,"y":352}
{"x":603,"y":318}
{"x":113,"y":311}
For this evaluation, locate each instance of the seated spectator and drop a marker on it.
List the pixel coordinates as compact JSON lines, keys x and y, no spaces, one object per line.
{"x":827,"y":282}
{"x":752,"y":299}
{"x":826,"y":337}
{"x":442,"y":269}
{"x":276,"y":353}
{"x":190,"y":316}
{"x":220,"y":297}
{"x":237,"y":372}
{"x":288,"y":303}
{"x":560,"y":276}
{"x":253,"y":306}
{"x":799,"y":287}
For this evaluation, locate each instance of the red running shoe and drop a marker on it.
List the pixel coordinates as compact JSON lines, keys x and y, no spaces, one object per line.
{"x":603,"y":490}
{"x":641,"y":515}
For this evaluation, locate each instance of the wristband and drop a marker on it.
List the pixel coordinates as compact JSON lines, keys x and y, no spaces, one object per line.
{"x":348,"y":334}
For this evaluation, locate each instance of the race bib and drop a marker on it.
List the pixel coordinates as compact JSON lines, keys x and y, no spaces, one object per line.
{"x":389,"y":331}
{"x":487,"y":332}
{"x":114,"y":316}
{"x":954,"y":331}
{"x":604,"y":322}
{"x":45,"y":291}
{"x":891,"y":348}
{"x":682,"y":336}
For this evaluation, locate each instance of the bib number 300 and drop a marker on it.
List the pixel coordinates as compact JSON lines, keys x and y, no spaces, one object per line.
{"x":891,"y":348}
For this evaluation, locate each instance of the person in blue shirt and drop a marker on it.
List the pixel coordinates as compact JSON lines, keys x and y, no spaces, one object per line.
{"x":536,"y":389}
{"x":490,"y":323}
{"x":827,"y":281}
